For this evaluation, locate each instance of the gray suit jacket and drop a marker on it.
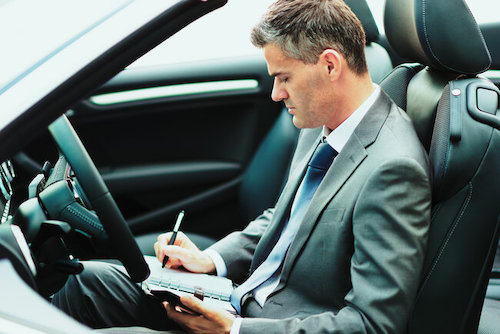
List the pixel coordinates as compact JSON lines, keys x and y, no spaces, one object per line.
{"x":355,"y":263}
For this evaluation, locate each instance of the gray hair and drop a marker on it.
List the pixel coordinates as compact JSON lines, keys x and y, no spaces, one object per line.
{"x":303,"y":29}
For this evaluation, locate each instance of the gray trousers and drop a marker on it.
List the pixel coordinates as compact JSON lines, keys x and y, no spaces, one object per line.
{"x":103,"y":296}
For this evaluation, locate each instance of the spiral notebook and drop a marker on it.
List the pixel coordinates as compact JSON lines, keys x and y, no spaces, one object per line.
{"x":171,"y":284}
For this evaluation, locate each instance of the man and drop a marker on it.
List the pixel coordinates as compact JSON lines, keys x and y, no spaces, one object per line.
{"x":341,"y":253}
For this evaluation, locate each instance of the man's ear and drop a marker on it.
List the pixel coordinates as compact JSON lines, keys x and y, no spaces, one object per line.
{"x":333,"y":61}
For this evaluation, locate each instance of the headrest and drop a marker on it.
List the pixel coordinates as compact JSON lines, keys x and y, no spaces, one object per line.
{"x":441,"y":34}
{"x":364,"y":14}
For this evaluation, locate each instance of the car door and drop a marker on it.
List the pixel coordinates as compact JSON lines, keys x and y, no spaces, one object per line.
{"x":177,"y":137}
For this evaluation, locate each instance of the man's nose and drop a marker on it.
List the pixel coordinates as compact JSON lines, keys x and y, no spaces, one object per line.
{"x":279,"y":93}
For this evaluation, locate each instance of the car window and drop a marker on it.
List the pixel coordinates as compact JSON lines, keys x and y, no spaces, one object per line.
{"x":225,"y":32}
{"x":35,"y":29}
{"x":483,"y":10}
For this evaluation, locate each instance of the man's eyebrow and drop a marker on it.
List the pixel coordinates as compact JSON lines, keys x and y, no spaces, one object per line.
{"x":276,"y":74}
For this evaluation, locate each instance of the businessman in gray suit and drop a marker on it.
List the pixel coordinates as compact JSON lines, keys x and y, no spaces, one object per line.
{"x":342,"y":250}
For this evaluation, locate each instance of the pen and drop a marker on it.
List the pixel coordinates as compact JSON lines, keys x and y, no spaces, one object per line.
{"x":174,"y":235}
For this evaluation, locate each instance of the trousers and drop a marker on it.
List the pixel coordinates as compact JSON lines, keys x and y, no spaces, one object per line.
{"x":103,"y":296}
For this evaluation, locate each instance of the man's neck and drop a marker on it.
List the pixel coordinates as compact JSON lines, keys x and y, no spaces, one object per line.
{"x":355,"y":90}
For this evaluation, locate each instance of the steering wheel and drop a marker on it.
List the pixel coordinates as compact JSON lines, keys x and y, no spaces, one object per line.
{"x":97,"y":193}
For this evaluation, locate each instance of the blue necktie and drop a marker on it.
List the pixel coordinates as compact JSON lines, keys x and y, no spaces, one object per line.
{"x":320,"y":162}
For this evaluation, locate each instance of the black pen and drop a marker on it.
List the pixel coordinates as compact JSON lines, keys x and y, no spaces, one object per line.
{"x":174,"y":235}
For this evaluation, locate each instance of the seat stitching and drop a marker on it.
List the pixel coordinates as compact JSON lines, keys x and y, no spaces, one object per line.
{"x":430,"y":48}
{"x":88,"y":220}
{"x":469,"y":196}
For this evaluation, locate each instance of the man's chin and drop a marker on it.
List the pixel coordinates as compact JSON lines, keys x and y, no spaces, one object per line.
{"x":300,"y":124}
{"x":297,"y":123}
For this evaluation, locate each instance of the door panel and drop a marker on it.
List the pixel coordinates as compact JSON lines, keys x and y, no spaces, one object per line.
{"x":187,"y":150}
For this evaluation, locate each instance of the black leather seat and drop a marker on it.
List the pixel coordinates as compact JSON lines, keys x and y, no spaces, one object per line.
{"x":280,"y":142}
{"x":377,"y":57}
{"x":456,"y":117}
{"x":490,"y":316}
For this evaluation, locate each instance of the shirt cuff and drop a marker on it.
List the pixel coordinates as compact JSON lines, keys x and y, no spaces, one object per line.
{"x":235,"y":328}
{"x":220,"y":266}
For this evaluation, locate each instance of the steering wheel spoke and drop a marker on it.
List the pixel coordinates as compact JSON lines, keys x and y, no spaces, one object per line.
{"x":120,"y":239}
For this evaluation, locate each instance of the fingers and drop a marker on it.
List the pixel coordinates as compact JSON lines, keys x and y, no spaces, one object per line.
{"x":183,"y":253}
{"x":162,"y":240}
{"x":220,"y":321}
{"x":163,"y":248}
{"x":177,"y":256}
{"x":194,"y":304}
{"x":181,"y":318}
{"x":199,"y":307}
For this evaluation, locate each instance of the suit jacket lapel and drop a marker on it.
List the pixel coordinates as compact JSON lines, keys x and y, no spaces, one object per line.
{"x":342,"y":168}
{"x":340,"y":171}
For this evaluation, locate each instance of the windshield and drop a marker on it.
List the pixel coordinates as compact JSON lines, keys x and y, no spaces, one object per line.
{"x":36,"y":30}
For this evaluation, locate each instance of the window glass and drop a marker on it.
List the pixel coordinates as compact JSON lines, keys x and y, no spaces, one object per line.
{"x":32,"y":29}
{"x":221,"y":34}
{"x":225,"y":32}
{"x":483,"y":10}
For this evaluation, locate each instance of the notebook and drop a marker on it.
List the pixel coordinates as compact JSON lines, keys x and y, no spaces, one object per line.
{"x":170,"y":284}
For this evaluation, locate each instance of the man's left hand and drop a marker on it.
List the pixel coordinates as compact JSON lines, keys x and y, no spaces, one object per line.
{"x":209,"y":319}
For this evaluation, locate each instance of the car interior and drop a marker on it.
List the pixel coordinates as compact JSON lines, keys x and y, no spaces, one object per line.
{"x":146,"y":148}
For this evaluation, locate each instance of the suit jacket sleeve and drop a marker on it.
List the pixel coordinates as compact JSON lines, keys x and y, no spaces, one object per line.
{"x":390,"y":222}
{"x":237,"y":248}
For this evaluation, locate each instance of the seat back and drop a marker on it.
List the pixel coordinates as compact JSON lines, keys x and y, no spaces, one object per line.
{"x":456,"y":116}
{"x":378,"y":59}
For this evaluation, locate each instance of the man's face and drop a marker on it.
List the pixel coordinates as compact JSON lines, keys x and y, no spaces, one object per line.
{"x":302,"y":87}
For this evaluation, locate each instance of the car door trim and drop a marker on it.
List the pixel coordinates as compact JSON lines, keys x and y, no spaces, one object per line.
{"x":153,"y":93}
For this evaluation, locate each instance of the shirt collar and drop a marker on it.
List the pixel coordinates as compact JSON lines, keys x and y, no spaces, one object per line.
{"x":339,"y":136}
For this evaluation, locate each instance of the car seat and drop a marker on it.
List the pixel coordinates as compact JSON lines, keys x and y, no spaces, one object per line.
{"x":378,"y":59}
{"x":455,"y":113}
{"x":490,"y":315}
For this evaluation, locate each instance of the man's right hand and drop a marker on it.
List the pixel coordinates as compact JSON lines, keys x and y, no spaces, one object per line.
{"x":183,"y":253}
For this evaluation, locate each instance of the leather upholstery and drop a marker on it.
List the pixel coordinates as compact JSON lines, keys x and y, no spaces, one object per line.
{"x":378,"y":59}
{"x":263,"y":180}
{"x":364,"y":14}
{"x":440,"y":34}
{"x":463,"y":139}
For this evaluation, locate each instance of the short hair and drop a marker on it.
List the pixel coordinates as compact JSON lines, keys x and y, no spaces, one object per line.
{"x":303,"y":29}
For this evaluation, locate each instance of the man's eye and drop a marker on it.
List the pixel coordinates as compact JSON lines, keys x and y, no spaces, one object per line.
{"x":284,"y":80}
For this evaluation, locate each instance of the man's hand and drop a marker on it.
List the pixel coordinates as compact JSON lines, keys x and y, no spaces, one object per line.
{"x":209,"y":320}
{"x":183,"y":253}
